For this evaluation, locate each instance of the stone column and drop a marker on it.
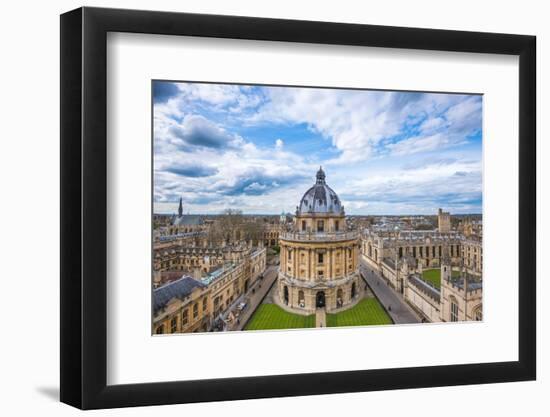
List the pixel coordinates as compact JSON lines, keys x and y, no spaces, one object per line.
{"x":309,"y":264}
{"x":295,"y":262}
{"x":329,"y":261}
{"x":345,"y":261}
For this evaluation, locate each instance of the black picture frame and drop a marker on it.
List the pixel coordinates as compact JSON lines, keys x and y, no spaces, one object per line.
{"x":84,"y":207}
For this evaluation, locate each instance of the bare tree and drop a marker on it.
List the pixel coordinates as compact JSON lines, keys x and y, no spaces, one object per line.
{"x":232,"y":226}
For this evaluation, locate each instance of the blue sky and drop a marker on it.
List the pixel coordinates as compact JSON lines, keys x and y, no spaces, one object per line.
{"x":257,"y":148}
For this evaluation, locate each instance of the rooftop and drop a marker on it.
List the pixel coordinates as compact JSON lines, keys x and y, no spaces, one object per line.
{"x":188,"y":220}
{"x":180,"y":288}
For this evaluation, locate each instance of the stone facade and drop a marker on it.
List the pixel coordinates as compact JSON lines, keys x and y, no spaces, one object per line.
{"x":319,"y":256}
{"x":197,"y":306}
{"x":383,"y":251}
{"x":196,"y":259}
{"x":461,"y":297}
{"x":443,"y":221}
{"x":271,"y":234}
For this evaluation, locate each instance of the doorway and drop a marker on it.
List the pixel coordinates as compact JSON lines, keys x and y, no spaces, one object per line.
{"x":320,"y":299}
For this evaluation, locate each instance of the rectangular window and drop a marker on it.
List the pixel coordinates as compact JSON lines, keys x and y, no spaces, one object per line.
{"x":289,"y":255}
{"x":336,"y":225}
{"x":173,"y":325}
{"x":195,"y":311}
{"x":204,"y":304}
{"x":320,"y":225}
{"x":160,"y":329}
{"x":185,"y":317}
{"x":303,"y":225}
{"x":320,"y":258}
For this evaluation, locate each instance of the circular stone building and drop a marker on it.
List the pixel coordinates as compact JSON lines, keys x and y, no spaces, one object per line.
{"x":319,"y":256}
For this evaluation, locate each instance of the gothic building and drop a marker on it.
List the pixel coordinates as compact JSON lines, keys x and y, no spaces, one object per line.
{"x":401,"y":257}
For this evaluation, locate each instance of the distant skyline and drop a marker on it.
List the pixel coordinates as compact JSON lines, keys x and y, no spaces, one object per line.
{"x":257,"y":149}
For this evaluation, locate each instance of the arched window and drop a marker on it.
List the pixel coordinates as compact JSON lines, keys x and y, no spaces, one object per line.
{"x":478,"y":313}
{"x":339,"y":298}
{"x":286,"y":294}
{"x":454,"y":309}
{"x":353,"y":290}
{"x":301,"y":299}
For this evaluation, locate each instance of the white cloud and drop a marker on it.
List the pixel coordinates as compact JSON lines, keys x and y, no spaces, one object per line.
{"x":424,"y":144}
{"x":211,"y":167}
{"x":360,"y":123}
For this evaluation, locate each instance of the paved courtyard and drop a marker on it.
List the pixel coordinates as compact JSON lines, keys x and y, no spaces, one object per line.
{"x":398,"y":309}
{"x":255,"y":296}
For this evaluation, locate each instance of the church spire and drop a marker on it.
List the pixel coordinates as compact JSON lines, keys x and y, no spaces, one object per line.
{"x":180,"y":208}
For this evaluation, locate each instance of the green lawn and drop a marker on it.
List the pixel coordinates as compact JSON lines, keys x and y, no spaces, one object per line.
{"x":366,"y":312}
{"x":271,"y":316}
{"x":433,"y":276}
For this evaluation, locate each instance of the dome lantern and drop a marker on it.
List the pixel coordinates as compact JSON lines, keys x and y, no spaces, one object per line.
{"x":321,"y":176}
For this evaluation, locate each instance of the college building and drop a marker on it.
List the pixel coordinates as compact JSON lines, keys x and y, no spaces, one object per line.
{"x":401,"y":257}
{"x":193,"y":304}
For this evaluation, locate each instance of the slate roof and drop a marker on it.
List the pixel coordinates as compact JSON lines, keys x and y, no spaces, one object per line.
{"x":472,"y":285}
{"x":425,"y":287}
{"x":180,"y":288}
{"x":389,"y":262}
{"x":188,"y":220}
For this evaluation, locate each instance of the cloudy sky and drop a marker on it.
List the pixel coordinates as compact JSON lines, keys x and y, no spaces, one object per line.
{"x":257,"y":148}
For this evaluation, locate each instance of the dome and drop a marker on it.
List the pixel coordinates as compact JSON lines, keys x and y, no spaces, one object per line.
{"x":320,"y":198}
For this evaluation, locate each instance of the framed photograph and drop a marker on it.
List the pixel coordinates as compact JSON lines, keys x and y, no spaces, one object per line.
{"x":256,"y":208}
